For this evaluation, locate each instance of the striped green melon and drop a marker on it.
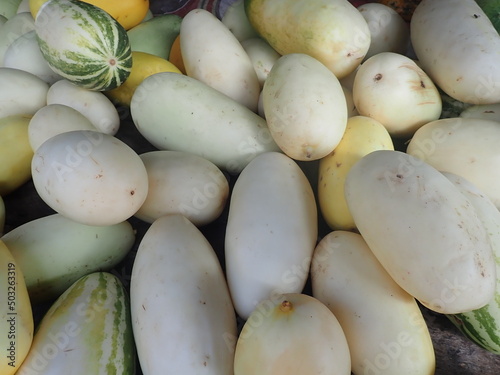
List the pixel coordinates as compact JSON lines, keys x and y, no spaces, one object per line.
{"x":482,"y":326}
{"x":87,"y":330}
{"x":83,"y":44}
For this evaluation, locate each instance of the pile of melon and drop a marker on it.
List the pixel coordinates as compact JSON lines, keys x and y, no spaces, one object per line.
{"x":288,"y":186}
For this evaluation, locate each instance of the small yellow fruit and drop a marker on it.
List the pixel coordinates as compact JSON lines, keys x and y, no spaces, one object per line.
{"x":362,"y":136}
{"x":15,"y":153}
{"x":175,"y":56}
{"x":128,"y":13}
{"x":143,"y":65}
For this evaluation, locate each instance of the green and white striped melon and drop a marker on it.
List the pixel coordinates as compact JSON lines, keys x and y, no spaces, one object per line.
{"x":84,"y":44}
{"x":87,"y":330}
{"x":482,"y":326}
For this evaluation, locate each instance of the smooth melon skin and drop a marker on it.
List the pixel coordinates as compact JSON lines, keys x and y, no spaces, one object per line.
{"x":423,"y":230}
{"x":183,"y":319}
{"x":292,"y":334}
{"x":457,"y":46}
{"x":83,"y":44}
{"x":362,"y":136}
{"x":465,"y":146}
{"x":332,"y":31}
{"x":271,"y":231}
{"x":384,"y":326}
{"x":49,"y":268}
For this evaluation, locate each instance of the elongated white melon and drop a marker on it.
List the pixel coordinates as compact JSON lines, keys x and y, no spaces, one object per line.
{"x":332,"y":31}
{"x":183,"y":318}
{"x":383,"y":324}
{"x":50,"y":265}
{"x":271,"y":231}
{"x":212,"y":54}
{"x":423,"y":230}
{"x":180,"y":113}
{"x":458,"y":46}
